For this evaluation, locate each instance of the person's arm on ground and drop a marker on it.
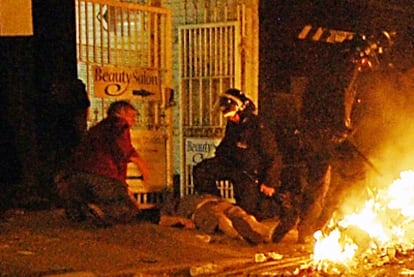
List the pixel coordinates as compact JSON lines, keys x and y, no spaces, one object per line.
{"x":170,"y":220}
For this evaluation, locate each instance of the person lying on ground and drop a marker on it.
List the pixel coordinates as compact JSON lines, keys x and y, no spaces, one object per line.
{"x":210,"y":213}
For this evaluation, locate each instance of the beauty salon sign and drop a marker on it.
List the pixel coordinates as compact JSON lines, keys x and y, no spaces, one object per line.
{"x":126,"y":82}
{"x":198,"y":149}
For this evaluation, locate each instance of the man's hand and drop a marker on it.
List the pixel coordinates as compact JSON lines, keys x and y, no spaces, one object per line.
{"x":268,"y":191}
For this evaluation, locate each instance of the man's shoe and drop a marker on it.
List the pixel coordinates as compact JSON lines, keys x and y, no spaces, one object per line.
{"x":280,"y":231}
{"x":98,"y":216}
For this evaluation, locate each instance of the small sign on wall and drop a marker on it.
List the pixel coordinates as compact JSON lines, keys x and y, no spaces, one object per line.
{"x":16,"y":18}
{"x":125,"y":82}
{"x":151,"y":146}
{"x":198,"y":149}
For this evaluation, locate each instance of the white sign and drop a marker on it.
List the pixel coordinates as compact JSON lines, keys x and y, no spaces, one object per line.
{"x":151,"y":146}
{"x":198,"y":149}
{"x":16,"y":18}
{"x":111,"y":81}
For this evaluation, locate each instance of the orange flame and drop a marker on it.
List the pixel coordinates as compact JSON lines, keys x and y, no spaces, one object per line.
{"x":386,"y":221}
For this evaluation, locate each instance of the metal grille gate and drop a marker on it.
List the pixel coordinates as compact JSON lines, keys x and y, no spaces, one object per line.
{"x":210,"y":62}
{"x":131,"y":37}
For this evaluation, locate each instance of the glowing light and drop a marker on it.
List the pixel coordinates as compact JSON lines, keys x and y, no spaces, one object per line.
{"x":330,"y":248}
{"x":385,"y":222}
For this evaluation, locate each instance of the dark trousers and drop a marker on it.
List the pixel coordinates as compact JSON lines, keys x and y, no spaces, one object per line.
{"x":111,"y":196}
{"x":246,"y":189}
{"x":313,"y":199}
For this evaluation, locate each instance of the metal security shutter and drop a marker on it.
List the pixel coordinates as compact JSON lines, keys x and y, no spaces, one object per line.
{"x":210,"y":62}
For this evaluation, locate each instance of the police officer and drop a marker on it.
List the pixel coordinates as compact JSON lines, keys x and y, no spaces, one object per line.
{"x":247,"y":155}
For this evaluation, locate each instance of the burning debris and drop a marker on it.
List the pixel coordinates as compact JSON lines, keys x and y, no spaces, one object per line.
{"x":263,"y":257}
{"x":374,"y":240}
{"x":379,"y":233}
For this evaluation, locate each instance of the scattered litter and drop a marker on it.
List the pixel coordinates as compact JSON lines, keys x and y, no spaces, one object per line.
{"x":209,"y":268}
{"x":407,"y":272}
{"x":275,"y":256}
{"x":260,"y":258}
{"x":263,"y":257}
{"x":204,"y":238}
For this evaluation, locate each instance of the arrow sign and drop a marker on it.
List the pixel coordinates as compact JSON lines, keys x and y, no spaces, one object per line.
{"x":142,"y":93}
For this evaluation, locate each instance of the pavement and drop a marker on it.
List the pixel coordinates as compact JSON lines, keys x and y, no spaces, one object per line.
{"x":44,"y":243}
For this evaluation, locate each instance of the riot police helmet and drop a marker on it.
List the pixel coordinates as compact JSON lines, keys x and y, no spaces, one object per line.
{"x":234,"y":101}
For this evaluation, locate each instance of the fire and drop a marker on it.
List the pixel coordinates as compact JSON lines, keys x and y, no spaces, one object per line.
{"x":330,"y":248}
{"x":384,"y":222}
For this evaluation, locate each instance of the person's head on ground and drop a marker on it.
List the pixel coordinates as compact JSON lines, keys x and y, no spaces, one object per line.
{"x":123,"y":109}
{"x":234,"y":104}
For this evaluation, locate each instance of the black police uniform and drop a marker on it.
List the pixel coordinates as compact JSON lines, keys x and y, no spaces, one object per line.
{"x":247,"y":156}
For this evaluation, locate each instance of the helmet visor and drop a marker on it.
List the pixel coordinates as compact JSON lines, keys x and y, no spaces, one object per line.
{"x":228,"y":106}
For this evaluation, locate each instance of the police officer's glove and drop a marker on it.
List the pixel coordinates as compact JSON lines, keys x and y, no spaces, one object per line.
{"x":266,"y":190}
{"x":339,"y":137}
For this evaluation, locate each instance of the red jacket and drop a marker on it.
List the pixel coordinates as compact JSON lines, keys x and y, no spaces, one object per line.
{"x":105,"y":150}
